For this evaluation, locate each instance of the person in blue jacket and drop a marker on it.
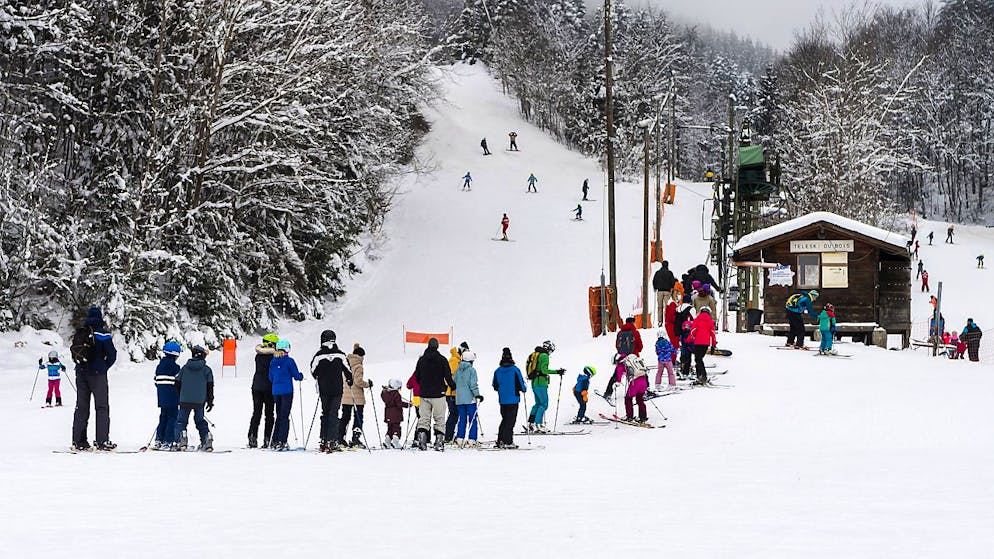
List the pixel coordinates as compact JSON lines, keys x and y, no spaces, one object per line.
{"x":580,"y":392}
{"x":94,"y":354}
{"x":282,"y":372}
{"x":509,"y":384}
{"x":467,"y":182}
{"x":168,"y":398}
{"x":797,"y":305}
{"x":195,"y":385}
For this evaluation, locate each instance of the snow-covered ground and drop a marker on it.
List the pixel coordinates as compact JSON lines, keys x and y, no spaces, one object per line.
{"x":886,"y":454}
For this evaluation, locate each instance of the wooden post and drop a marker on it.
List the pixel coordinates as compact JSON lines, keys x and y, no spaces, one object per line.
{"x":645,"y":230}
{"x":609,"y":110}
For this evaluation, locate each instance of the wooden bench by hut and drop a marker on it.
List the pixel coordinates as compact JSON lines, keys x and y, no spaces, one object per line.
{"x":863,"y":270}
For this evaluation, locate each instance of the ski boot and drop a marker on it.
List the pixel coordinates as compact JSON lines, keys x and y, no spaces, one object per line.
{"x":396,"y":442}
{"x":439,"y":441}
{"x":586,"y":420}
{"x":58,"y":402}
{"x":206,"y":443}
{"x":529,"y":427}
{"x":421,"y":439}
{"x":106,"y":446}
{"x":81,"y":447}
{"x":253,"y":440}
{"x":509,"y":446}
{"x":357,"y":439}
{"x":323,"y":446}
{"x":48,"y":402}
{"x":267,"y":443}
{"x":388,"y":442}
{"x":541,"y":428}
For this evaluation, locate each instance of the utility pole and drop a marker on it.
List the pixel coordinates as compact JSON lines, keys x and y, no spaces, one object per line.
{"x":609,"y":110}
{"x":645,"y":228}
{"x":733,"y":184}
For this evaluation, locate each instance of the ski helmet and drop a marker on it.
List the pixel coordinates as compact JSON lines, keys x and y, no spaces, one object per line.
{"x":589,"y":371}
{"x":172,"y":348}
{"x":813,"y":293}
{"x":549,"y":346}
{"x":468,"y":356}
{"x":53,"y":355}
{"x":283,"y":345}
{"x":661,"y":333}
{"x":394,"y":384}
{"x":198,"y":352}
{"x":270,"y":339}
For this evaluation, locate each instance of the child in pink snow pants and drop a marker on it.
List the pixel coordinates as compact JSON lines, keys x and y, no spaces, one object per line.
{"x":666,"y":355}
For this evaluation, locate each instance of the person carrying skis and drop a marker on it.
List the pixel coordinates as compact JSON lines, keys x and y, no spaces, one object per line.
{"x":483,"y":144}
{"x":540,"y":375}
{"x":531,"y":183}
{"x":262,"y":393}
{"x":578,"y":212}
{"x":826,"y":327}
{"x":949,"y":234}
{"x":195,"y":384}
{"x":980,"y":260}
{"x":971,"y":336}
{"x":467,"y":182}
{"x":54,"y":369}
{"x":585,"y":188}
{"x":702,"y":334}
{"x":638,"y":385}
{"x":580,"y":391}
{"x":509,"y":385}
{"x":93,"y":352}
{"x":665,"y":355}
{"x":504,"y":223}
{"x":168,"y":398}
{"x":393,"y":412}
{"x":662,"y":282}
{"x":354,"y":399}
{"x":627,"y":342}
{"x":468,"y":397}
{"x":925,"y":287}
{"x":330,"y":368}
{"x":282,"y":372}
{"x":432,"y":375}
{"x":797,"y":305}
{"x":513,"y":136}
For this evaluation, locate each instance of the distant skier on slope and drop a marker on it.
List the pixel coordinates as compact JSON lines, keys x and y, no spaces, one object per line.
{"x":925,"y":288}
{"x":921,"y":266}
{"x":467,"y":182}
{"x":513,"y":136}
{"x":578,"y":213}
{"x":931,"y":235}
{"x":980,"y":260}
{"x":585,"y":188}
{"x":949,"y":234}
{"x":914,"y":232}
{"x":504,"y":223}
{"x":531,"y":183}
{"x":483,"y":144}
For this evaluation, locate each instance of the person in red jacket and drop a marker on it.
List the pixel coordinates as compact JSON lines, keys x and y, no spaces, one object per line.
{"x":925,"y":287}
{"x":504,"y":222}
{"x":702,"y":336}
{"x":670,"y":324}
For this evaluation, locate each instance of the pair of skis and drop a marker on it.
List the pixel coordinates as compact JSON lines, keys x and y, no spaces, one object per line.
{"x":614,"y":418}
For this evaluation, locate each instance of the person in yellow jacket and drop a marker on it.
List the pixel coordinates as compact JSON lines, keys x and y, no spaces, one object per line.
{"x":354,"y":399}
{"x":455,"y":357}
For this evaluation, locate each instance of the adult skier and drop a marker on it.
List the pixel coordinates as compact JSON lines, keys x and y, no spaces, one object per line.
{"x":585,"y":188}
{"x":914,"y":231}
{"x":432,"y":375}
{"x":282,"y":372}
{"x":540,"y":375}
{"x":195,"y":384}
{"x":971,"y":335}
{"x":467,"y":399}
{"x":531,"y":183}
{"x":467,"y":181}
{"x":921,"y":266}
{"x":702,"y":274}
{"x":262,"y":392}
{"x":702,"y":335}
{"x":627,"y":342}
{"x":483,"y":144}
{"x":168,"y":398}
{"x":509,"y":385}
{"x":949,"y":234}
{"x":930,"y":236}
{"x":504,"y":223}
{"x":330,"y":368}
{"x":797,"y":305}
{"x":513,"y":136}
{"x":354,"y":399}
{"x":662,"y":282}
{"x":93,"y":352}
{"x":980,"y":260}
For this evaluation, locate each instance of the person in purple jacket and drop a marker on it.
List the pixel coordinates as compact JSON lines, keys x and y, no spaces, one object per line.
{"x":393,"y":412}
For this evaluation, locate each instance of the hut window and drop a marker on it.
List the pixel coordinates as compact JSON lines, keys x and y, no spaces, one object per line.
{"x":808,"y":271}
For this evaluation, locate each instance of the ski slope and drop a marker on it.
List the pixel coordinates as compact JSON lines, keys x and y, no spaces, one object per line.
{"x":885,"y":454}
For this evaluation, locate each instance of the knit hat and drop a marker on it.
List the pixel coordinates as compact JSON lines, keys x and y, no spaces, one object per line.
{"x":463,"y":346}
{"x":433,"y":343}
{"x":505,"y":356}
{"x":357,"y":349}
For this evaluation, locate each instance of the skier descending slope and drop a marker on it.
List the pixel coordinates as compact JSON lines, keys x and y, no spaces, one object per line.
{"x":467,"y":181}
{"x":483,"y":144}
{"x":504,"y":223}
{"x":531,"y":183}
{"x":540,"y":374}
{"x":432,"y":375}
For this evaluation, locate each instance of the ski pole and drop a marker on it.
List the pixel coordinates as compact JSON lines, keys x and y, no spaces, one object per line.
{"x":411,"y":411}
{"x":313,"y":417}
{"x":372,"y":402}
{"x":528,"y":433}
{"x":300,"y":389}
{"x":356,"y":417}
{"x":559,"y":396}
{"x":659,"y":410}
{"x":149,"y":443}
{"x":33,"y":385}
{"x":294,"y":427}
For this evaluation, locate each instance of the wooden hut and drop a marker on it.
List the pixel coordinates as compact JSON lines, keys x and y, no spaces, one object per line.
{"x":863,"y":270}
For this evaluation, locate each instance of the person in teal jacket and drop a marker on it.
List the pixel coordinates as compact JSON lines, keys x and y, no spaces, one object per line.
{"x":540,"y":374}
{"x":826,"y":327}
{"x":467,"y":397}
{"x":282,"y":372}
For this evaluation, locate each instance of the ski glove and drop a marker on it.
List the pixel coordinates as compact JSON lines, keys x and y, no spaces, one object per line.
{"x":714,"y":349}
{"x":210,"y":406}
{"x":479,"y":398}
{"x":40,"y":362}
{"x":370,"y":382}
{"x":561,"y":371}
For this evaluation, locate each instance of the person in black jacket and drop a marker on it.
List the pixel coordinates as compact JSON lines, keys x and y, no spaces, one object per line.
{"x":94,"y":353}
{"x":262,"y":392}
{"x":433,"y":375}
{"x":701,"y":274}
{"x":662,"y":281}
{"x":331,"y":369}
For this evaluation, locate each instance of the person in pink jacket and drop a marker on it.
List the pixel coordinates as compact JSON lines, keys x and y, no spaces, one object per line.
{"x":702,"y":335}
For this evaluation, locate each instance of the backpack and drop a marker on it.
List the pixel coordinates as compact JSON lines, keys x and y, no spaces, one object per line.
{"x":626,"y":342}
{"x":531,"y":365}
{"x":82,"y":344}
{"x":793,"y":300}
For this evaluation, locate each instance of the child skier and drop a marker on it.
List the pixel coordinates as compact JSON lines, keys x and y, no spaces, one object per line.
{"x":665,"y":354}
{"x":980,"y":260}
{"x":580,"y":390}
{"x":960,"y":350}
{"x":393,"y":412}
{"x":826,"y":327}
{"x":165,"y":387}
{"x":195,"y":384}
{"x":702,"y":333}
{"x":504,"y":222}
{"x":467,"y":399}
{"x":55,"y":369}
{"x":467,"y":182}
{"x":531,"y":183}
{"x":282,"y":372}
{"x":578,"y":213}
{"x":638,"y":385}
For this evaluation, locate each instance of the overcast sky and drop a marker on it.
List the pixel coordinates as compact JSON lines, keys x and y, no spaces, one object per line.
{"x":771,"y":21}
